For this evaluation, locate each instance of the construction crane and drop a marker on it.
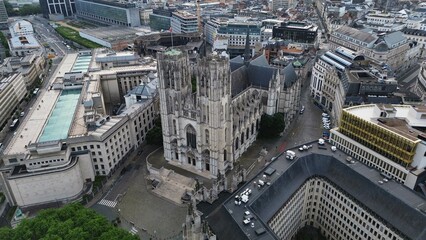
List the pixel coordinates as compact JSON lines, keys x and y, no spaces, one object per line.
{"x":200,"y":29}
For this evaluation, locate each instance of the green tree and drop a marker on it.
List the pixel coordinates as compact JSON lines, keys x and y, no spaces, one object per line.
{"x":5,"y":44}
{"x":9,"y":9}
{"x":25,"y":10}
{"x":271,"y":126}
{"x":71,"y":222}
{"x":29,"y":9}
{"x":155,"y":135}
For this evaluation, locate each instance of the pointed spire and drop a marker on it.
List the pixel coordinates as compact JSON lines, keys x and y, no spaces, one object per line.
{"x":247,"y":48}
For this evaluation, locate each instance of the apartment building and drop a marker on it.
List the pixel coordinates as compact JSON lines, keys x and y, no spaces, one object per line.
{"x":12,"y":91}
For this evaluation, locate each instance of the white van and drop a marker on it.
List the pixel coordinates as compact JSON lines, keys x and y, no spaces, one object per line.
{"x":321,"y":141}
{"x":290,"y":155}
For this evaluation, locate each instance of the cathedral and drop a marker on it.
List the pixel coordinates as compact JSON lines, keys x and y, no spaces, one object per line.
{"x":211,"y":111}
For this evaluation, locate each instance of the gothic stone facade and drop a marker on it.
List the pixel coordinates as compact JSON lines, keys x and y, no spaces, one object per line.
{"x":207,"y":130}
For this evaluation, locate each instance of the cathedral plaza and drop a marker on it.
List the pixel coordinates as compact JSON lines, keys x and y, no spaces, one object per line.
{"x":306,"y":130}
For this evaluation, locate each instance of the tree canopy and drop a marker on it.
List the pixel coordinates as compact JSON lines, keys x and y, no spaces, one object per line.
{"x":271,"y":126}
{"x":155,"y":135}
{"x":25,"y":10}
{"x":71,"y":222}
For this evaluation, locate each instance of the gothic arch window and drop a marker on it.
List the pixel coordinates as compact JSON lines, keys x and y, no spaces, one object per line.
{"x":206,"y":158}
{"x":207,"y":136}
{"x":174,"y":126}
{"x":171,"y":103}
{"x":236,"y":144}
{"x":252,"y":128}
{"x":191,"y":137}
{"x":224,"y":155}
{"x":242,"y":138}
{"x":247,"y":133}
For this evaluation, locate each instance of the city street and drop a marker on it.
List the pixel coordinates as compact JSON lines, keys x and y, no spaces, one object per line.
{"x":47,"y":35}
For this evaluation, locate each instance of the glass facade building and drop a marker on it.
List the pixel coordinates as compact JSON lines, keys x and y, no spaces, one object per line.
{"x":299,"y":32}
{"x":108,"y":13}
{"x":159,"y":22}
{"x":63,"y":7}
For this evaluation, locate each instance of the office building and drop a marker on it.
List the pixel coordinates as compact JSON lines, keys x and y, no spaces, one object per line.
{"x":208,"y":130}
{"x":211,"y":27}
{"x":320,"y":189}
{"x":64,"y":8}
{"x":184,"y":22}
{"x":108,"y":12}
{"x":387,"y":137}
{"x":55,"y":153}
{"x":296,"y":32}
{"x":12,"y":91}
{"x":232,"y":36}
{"x":3,"y":16}
{"x":160,"y":18}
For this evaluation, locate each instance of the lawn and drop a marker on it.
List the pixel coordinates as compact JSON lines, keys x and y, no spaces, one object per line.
{"x":73,"y":35}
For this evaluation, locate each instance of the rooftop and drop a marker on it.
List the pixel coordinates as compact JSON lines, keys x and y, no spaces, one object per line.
{"x":185,"y":15}
{"x":404,"y":121}
{"x":357,"y":34}
{"x":27,"y":41}
{"x":35,"y":120}
{"x":113,"y":33}
{"x":394,"y":203}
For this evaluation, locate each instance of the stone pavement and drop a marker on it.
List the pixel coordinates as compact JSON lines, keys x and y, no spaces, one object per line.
{"x":152,"y":215}
{"x":157,"y":160}
{"x":173,"y":186}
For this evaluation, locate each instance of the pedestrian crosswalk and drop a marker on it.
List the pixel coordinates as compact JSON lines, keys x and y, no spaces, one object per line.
{"x":133,"y":231}
{"x":108,"y":203}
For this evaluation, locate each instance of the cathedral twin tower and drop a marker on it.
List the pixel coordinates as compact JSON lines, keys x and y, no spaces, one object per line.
{"x":197,"y":115}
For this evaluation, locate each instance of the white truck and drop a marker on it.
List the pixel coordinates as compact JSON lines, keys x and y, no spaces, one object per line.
{"x":290,"y":155}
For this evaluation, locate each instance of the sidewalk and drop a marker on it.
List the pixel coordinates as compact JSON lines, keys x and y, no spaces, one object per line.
{"x":113,"y":178}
